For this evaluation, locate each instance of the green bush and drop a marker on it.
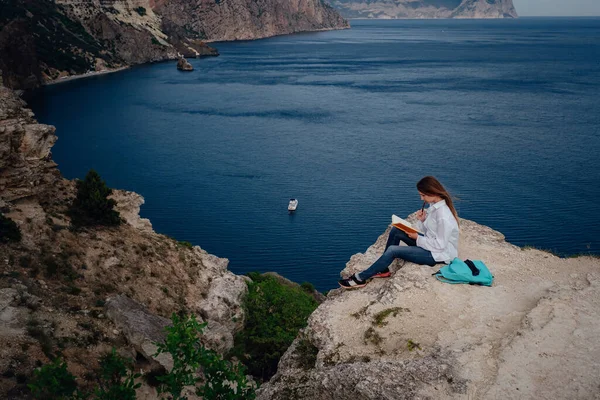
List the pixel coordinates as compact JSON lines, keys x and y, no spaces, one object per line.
{"x":223,"y":380}
{"x":140,"y":10}
{"x":9,"y":230}
{"x":308,"y":287}
{"x":91,"y":206}
{"x":53,"y":381}
{"x":185,"y":244}
{"x":117,"y":378}
{"x":274,"y":315}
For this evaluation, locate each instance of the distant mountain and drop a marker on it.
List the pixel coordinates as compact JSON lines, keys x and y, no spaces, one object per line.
{"x":390,"y":9}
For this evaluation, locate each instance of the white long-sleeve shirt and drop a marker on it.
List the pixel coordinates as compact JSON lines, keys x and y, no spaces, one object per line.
{"x":441,"y":233}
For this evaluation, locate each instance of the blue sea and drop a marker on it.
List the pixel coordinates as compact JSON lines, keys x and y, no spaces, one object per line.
{"x":506,"y":113}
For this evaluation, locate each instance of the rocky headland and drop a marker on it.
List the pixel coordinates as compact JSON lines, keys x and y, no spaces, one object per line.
{"x":532,"y":335}
{"x":42,"y":41}
{"x":425,"y":9}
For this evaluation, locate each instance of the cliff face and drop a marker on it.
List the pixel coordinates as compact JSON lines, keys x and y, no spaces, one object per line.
{"x":82,"y":293}
{"x":247,"y":19}
{"x":44,"y":40}
{"x":388,"y":9}
{"x":533,"y":335}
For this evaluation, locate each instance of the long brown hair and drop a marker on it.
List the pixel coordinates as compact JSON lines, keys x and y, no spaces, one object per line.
{"x":432,"y":187}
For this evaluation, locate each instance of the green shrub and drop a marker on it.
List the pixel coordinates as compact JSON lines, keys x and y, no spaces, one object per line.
{"x":223,"y":380}
{"x":53,"y":381}
{"x":117,"y":380}
{"x":91,"y":206}
{"x":58,"y":268}
{"x":9,"y":230}
{"x":140,"y":10}
{"x":308,"y":287}
{"x":185,"y":244}
{"x":274,"y":315}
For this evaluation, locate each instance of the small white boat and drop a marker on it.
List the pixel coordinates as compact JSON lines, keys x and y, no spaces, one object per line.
{"x":293,"y":205}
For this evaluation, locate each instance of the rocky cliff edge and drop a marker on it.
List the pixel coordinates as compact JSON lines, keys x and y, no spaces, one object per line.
{"x":532,"y":335}
{"x":81,"y":293}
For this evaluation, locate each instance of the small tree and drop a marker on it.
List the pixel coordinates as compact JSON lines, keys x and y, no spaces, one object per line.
{"x":53,"y":382}
{"x":223,"y":380}
{"x":9,"y":230}
{"x":117,"y":380}
{"x":92,"y":206}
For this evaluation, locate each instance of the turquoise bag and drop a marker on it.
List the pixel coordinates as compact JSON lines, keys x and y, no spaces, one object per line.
{"x":471,"y":272}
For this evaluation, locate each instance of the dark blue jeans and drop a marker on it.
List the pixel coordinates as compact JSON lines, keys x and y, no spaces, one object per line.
{"x":412,"y":253}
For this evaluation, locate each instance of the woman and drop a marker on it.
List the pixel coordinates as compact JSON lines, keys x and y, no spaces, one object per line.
{"x":439,"y":244}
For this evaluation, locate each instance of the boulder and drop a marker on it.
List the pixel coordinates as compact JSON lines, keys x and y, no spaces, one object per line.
{"x":141,"y":328}
{"x":184,"y":65}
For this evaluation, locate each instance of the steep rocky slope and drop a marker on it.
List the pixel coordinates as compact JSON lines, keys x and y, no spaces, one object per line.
{"x":533,"y":335}
{"x":247,"y":19}
{"x":79,"y":293}
{"x":425,"y":8}
{"x":44,"y":40}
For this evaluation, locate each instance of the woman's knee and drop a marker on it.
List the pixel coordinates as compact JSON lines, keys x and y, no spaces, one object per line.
{"x":395,"y":232}
{"x":394,"y":251}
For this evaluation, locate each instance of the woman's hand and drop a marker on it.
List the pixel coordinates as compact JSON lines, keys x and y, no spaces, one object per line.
{"x":421,"y":215}
{"x":413,"y":235}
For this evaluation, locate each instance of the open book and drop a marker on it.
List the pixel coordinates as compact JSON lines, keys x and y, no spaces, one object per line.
{"x":404,"y":225}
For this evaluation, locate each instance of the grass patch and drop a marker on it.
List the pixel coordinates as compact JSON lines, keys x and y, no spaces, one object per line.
{"x":379,"y":319}
{"x":549,"y":251}
{"x":58,"y":268}
{"x":308,"y":287}
{"x":596,"y":256}
{"x":274,"y":315}
{"x":411,"y":345}
{"x":360,"y":313}
{"x":185,"y":244}
{"x":307,"y":353}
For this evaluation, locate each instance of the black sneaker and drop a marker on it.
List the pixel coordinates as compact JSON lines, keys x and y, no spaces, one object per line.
{"x":352,"y":283}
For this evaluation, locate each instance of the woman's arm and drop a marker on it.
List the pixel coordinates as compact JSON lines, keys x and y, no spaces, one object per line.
{"x":421,"y":217}
{"x":436,"y":240}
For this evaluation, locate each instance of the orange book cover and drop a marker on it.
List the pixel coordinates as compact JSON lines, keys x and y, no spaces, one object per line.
{"x":404,"y":225}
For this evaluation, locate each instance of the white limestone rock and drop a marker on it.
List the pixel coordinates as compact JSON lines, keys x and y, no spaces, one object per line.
{"x":531,"y":335}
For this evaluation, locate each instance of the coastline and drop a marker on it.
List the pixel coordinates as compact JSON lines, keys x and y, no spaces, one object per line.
{"x":86,"y":75}
{"x":108,"y":71}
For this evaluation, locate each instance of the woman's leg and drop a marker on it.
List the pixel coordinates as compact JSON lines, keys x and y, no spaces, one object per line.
{"x":415,"y":254}
{"x":396,"y":235}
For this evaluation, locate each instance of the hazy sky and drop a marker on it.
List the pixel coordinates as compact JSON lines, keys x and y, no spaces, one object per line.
{"x":557,"y":7}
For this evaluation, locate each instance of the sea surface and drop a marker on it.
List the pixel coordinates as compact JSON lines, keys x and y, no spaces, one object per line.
{"x":506,"y":113}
